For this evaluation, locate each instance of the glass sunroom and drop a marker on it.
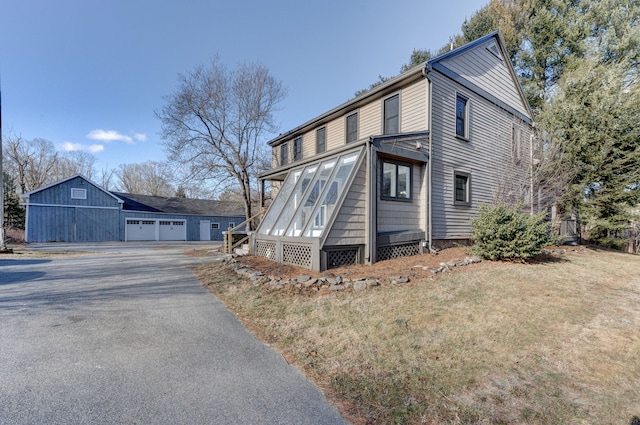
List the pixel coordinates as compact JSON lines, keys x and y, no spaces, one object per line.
{"x":299,"y":222}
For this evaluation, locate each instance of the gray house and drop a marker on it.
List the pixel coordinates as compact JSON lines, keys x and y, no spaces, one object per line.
{"x":76,"y":209}
{"x":403,"y":167}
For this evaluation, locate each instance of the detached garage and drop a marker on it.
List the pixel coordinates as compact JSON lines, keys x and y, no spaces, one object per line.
{"x":78,"y":210}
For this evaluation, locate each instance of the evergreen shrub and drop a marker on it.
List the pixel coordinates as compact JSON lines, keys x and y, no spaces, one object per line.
{"x":503,"y":232}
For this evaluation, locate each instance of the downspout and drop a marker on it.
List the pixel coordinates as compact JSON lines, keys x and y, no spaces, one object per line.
{"x":372,"y":193}
{"x":368,"y":239}
{"x":425,"y":72}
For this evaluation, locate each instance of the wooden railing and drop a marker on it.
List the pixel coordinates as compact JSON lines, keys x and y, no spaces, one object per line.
{"x":229,"y":245}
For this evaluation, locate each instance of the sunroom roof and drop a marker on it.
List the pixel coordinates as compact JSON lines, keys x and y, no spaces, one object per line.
{"x":309,"y":196}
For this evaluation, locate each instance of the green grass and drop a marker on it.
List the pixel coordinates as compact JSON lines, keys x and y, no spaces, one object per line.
{"x":499,"y":343}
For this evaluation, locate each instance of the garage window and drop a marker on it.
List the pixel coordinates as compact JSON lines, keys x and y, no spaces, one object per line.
{"x":78,"y":193}
{"x":148,"y":222}
{"x":165,"y":223}
{"x":178,"y":223}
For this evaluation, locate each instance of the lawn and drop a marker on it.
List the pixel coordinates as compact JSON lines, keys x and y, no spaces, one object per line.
{"x":548,"y":342}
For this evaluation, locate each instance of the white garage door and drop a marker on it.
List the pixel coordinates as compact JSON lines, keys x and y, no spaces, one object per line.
{"x":173,"y":230}
{"x":141,"y":230}
{"x":156,"y":230}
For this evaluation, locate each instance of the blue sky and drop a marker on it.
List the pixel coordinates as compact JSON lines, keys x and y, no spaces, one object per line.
{"x":89,"y":74}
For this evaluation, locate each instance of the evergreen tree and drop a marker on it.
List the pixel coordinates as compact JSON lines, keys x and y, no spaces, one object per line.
{"x":14,"y":214}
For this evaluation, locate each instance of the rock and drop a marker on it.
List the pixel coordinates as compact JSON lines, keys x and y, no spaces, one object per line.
{"x":360,"y":285}
{"x":309,"y":282}
{"x":399,"y":280}
{"x":303,"y":278}
{"x":371,"y":282}
{"x":336,"y":288}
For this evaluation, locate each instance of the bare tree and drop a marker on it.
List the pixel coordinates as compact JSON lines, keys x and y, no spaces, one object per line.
{"x":146,"y":178}
{"x":32,"y":163}
{"x":76,"y":162}
{"x":106,"y":176}
{"x":216,"y":120}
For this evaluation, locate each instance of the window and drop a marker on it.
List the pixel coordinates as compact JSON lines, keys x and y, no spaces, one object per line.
{"x":462,"y":188}
{"x":284,"y":154}
{"x":297,"y":149}
{"x":396,"y":180}
{"x":78,"y":193}
{"x":321,"y":140}
{"x":352,"y":127}
{"x":462,"y":107}
{"x":392,"y":115}
{"x":232,"y":224}
{"x":215,"y":225}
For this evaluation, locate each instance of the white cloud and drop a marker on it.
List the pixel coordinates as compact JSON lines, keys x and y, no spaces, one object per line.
{"x":109,"y":136}
{"x":70,"y":147}
{"x":140,"y":137}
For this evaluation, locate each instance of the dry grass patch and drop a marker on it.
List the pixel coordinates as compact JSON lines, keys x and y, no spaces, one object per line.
{"x":551,"y":342}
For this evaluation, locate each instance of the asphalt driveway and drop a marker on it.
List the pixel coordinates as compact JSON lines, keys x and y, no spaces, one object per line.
{"x":128,"y":336}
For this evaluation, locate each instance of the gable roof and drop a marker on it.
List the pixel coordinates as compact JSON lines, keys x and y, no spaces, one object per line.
{"x":445,"y":64}
{"x":406,"y":77}
{"x":50,"y":185}
{"x":172,"y":205}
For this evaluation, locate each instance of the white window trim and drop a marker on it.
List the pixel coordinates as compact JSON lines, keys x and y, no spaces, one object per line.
{"x":78,"y":193}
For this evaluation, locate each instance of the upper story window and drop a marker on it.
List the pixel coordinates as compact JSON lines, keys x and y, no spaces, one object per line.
{"x":284,"y":154}
{"x":392,"y":115}
{"x":78,"y":193}
{"x":297,"y":148}
{"x":462,"y":188}
{"x":321,"y":140}
{"x":462,"y":116}
{"x":396,"y":180}
{"x":352,"y":127}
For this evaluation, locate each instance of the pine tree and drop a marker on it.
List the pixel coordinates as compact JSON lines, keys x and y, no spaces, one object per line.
{"x":14,"y":213}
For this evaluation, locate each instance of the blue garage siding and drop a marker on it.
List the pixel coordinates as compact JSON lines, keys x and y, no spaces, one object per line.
{"x":60,"y":194}
{"x":71,"y":224}
{"x":193,"y":223}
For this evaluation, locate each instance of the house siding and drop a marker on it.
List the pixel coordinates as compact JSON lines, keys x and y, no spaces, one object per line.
{"x":483,"y":69}
{"x":394,"y":216}
{"x":413,"y":110}
{"x":486,"y":156}
{"x":349,"y":226}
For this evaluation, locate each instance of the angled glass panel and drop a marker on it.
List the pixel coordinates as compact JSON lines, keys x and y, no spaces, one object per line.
{"x":332,"y":192}
{"x":294,"y":200}
{"x":278,"y":203}
{"x":305,"y":209}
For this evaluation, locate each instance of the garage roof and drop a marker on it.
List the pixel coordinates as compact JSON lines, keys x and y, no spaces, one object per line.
{"x":147,"y":203}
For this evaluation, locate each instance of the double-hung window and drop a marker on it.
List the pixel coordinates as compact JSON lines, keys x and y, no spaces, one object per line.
{"x":297,"y":149}
{"x":352,"y":127}
{"x":284,"y":154}
{"x":461,"y":188}
{"x":321,"y":139}
{"x":392,"y":115}
{"x":396,"y":180}
{"x":462,"y":116}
